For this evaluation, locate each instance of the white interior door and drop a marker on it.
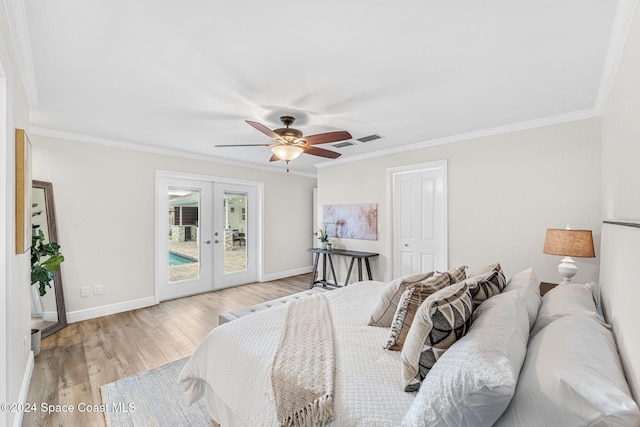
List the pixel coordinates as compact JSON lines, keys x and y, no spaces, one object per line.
{"x":235,"y":233}
{"x":184,"y":247}
{"x":419,"y":219}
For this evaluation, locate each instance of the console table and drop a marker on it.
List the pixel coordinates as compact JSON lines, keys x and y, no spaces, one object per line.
{"x":327,"y":255}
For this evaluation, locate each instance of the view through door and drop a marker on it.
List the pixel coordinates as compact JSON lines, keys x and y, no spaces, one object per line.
{"x":184,"y":249}
{"x":207,"y":235}
{"x":235,"y":239}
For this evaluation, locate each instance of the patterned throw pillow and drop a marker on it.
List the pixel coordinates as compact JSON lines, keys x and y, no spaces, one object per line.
{"x":410,"y":302}
{"x":441,"y":320}
{"x":458,"y":274}
{"x":384,"y":311}
{"x":485,"y":283}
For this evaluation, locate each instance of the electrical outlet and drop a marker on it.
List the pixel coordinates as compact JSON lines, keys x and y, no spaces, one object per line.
{"x":84,"y":291}
{"x":97,"y":290}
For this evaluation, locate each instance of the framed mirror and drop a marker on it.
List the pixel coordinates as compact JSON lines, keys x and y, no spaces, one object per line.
{"x":48,"y":312}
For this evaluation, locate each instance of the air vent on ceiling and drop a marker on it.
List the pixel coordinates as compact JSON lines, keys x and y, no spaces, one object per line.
{"x":369,"y":138}
{"x":343,"y":144}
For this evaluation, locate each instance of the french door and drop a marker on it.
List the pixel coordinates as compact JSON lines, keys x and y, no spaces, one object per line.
{"x":207,"y":235}
{"x":184,"y":246}
{"x":234,"y":224}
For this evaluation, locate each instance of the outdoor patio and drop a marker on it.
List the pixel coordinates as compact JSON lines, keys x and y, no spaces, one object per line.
{"x":234,"y":260}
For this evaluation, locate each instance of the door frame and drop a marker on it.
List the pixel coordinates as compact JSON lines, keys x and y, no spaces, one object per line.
{"x":159,"y":194}
{"x":7,"y":245}
{"x":426,"y":166}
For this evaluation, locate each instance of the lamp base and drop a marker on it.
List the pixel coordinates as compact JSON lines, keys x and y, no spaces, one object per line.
{"x":567,"y":269}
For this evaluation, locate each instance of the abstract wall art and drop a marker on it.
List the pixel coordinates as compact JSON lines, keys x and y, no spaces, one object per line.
{"x":356,"y":221}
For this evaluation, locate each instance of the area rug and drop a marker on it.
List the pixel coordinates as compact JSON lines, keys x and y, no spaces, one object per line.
{"x":152,"y":398}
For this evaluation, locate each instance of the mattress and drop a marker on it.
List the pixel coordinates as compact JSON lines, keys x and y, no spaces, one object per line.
{"x":231,"y":369}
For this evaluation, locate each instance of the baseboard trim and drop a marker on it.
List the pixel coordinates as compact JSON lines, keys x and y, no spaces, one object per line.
{"x":288,"y":273}
{"x":24,"y":389}
{"x":50,"y":316}
{"x":105,"y":310}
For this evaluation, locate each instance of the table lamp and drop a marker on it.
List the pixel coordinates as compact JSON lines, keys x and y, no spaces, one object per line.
{"x":568,"y":243}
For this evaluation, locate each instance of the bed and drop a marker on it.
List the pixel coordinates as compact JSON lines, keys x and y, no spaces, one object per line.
{"x":508,"y":367}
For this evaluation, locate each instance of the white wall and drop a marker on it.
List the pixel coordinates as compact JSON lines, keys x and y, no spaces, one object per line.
{"x":16,"y":286}
{"x":621,"y":132}
{"x":621,"y":195}
{"x":105,"y":208}
{"x":504,"y":192}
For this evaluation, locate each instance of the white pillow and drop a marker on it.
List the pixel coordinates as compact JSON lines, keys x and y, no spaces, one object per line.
{"x":474,"y":380}
{"x":528,"y":287}
{"x":564,"y":300}
{"x":572,"y":376}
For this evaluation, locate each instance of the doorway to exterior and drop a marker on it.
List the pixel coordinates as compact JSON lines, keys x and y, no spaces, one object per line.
{"x":207,"y":233}
{"x":417,"y":218}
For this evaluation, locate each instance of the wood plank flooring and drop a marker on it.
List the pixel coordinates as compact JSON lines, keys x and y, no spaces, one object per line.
{"x":74,"y":362}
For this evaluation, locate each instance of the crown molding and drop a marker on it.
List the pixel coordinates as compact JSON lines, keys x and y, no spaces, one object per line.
{"x":625,"y":12}
{"x":19,"y":29}
{"x":52,"y":133}
{"x":514,"y":127}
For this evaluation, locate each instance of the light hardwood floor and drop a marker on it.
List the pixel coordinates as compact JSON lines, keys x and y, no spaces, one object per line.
{"x":76,"y":361}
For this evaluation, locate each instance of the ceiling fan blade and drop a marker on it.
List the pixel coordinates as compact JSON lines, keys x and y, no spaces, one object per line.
{"x":244,"y":145}
{"x":322,"y":152}
{"x":262,"y":128}
{"x":274,"y":158}
{"x":323,"y":138}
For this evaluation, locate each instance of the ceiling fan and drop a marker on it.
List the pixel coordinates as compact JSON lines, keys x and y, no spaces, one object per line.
{"x":290,"y":142}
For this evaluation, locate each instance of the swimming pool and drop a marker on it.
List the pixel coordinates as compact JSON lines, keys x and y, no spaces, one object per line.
{"x":175,"y":259}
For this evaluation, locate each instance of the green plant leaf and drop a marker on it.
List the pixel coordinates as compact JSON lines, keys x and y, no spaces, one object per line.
{"x":42,"y":270}
{"x":53,"y":263}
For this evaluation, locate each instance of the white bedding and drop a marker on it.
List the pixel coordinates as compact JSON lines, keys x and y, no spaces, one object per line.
{"x":232,"y":366}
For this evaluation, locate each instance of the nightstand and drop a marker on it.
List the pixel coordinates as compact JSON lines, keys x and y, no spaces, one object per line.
{"x":546,"y":287}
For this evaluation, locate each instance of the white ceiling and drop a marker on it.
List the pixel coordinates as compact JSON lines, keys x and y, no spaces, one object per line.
{"x":185,"y":75}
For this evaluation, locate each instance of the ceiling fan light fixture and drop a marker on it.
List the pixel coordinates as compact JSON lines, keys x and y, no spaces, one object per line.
{"x":287,"y":152}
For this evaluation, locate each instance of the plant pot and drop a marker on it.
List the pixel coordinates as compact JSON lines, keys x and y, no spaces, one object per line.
{"x":323,"y":245}
{"x":36,"y":337}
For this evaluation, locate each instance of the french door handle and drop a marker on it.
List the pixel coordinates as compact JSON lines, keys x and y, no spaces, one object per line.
{"x":216,"y":241}
{"x":207,"y":242}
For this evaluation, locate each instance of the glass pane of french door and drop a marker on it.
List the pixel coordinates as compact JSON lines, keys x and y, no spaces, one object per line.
{"x":184,"y":219}
{"x":235,"y":231}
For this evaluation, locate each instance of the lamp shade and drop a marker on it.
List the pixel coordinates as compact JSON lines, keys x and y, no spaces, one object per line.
{"x":577,"y":243}
{"x":287,"y":152}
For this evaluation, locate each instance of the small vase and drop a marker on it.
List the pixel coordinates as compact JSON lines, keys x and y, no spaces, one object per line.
{"x":323,"y":245}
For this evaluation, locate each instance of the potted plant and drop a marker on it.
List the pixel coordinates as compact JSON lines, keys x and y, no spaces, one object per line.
{"x":324,"y":239}
{"x":45,"y":261}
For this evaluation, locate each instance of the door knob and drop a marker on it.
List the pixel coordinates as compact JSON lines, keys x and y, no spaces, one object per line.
{"x":216,"y":241}
{"x":207,"y":242}
{"x":406,"y":245}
